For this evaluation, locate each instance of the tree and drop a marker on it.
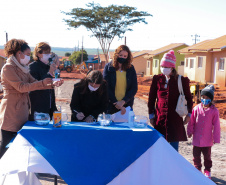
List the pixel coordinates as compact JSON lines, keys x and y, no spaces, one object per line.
{"x":67,"y":54}
{"x":77,"y":55}
{"x":105,"y":23}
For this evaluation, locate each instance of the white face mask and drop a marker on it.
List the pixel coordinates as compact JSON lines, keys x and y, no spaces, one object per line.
{"x":166,"y":71}
{"x":45,"y":58}
{"x":26,"y":60}
{"x":91,"y":88}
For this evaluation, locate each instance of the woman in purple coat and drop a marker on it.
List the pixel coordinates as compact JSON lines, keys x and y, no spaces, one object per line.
{"x":162,"y":112}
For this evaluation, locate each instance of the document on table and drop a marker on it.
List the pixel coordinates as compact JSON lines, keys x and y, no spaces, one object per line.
{"x":118,"y":117}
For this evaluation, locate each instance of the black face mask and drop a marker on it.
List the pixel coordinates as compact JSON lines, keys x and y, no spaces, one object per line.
{"x":121,"y":60}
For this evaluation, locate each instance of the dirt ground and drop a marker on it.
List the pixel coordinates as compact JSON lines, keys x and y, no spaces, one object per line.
{"x":63,"y":95}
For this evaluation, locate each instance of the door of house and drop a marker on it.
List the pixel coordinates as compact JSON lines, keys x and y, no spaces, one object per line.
{"x":148,"y":68}
{"x":214,"y":70}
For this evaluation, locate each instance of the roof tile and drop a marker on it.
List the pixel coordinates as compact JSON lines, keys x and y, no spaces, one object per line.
{"x":2,"y":53}
{"x":165,"y":48}
{"x":139,"y":53}
{"x":207,"y":45}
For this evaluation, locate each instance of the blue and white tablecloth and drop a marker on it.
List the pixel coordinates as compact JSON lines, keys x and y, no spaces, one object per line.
{"x":87,"y":154}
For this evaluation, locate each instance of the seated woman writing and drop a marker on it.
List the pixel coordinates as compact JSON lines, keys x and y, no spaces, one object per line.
{"x":89,"y":98}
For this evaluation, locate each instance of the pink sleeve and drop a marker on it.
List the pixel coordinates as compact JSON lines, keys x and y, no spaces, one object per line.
{"x":191,"y":124}
{"x":216,"y":127}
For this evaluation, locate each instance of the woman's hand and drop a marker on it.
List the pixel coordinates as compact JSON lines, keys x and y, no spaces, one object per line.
{"x":47,"y":82}
{"x":58,"y":83}
{"x":56,"y":60}
{"x":52,"y":68}
{"x":186,"y":120}
{"x":89,"y":119}
{"x":152,"y":122}
{"x":80,"y":116}
{"x":119,"y":104}
{"x":123,"y":110}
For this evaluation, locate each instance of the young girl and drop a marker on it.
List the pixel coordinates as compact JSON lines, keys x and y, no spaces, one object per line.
{"x":205,"y":128}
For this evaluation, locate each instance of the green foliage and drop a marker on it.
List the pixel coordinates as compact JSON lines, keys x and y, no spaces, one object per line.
{"x":67,"y":54}
{"x":77,"y":55}
{"x":106,"y":23}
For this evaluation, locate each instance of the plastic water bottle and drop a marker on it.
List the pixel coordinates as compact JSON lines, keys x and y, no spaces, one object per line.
{"x":131,"y":117}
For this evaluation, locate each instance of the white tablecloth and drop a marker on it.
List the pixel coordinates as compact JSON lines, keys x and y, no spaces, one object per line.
{"x":159,"y":165}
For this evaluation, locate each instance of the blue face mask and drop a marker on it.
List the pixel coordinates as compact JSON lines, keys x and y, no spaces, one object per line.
{"x":205,"y":101}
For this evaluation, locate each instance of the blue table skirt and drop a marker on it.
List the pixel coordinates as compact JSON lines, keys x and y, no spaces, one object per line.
{"x":89,"y":155}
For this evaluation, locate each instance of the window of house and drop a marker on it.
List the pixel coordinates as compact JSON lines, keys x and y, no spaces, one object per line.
{"x":200,"y":62}
{"x":182,"y":63}
{"x":186,"y":61}
{"x":191,"y":63}
{"x":221,"y":64}
{"x":148,"y":64}
{"x":156,"y":63}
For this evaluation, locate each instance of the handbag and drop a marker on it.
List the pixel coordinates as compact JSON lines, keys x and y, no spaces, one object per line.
{"x":181,"y":108}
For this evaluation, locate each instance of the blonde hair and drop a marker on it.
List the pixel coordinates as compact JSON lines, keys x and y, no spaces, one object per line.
{"x":40,"y":48}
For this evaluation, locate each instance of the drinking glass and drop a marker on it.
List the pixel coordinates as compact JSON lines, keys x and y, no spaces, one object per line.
{"x":140,"y":121}
{"x":104,"y":119}
{"x":41,"y":118}
{"x":64,"y":119}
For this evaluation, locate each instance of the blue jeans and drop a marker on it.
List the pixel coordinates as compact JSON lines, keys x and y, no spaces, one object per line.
{"x":175,"y":145}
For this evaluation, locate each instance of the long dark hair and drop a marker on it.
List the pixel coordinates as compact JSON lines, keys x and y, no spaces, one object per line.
{"x":129,"y":59}
{"x":93,"y":76}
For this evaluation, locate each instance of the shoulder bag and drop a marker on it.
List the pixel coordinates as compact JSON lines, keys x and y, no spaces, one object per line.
{"x":181,"y":108}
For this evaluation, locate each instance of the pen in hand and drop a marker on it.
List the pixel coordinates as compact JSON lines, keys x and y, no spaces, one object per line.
{"x":79,"y":115}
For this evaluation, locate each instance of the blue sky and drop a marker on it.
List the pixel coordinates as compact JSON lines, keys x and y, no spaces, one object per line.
{"x":173,"y":21}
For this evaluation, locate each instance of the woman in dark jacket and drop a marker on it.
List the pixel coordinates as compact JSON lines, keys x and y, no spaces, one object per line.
{"x":43,"y":100}
{"x":162,"y":113}
{"x":121,"y":79}
{"x":89,"y":98}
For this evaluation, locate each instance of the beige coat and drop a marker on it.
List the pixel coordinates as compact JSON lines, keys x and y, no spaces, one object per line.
{"x":15,"y":105}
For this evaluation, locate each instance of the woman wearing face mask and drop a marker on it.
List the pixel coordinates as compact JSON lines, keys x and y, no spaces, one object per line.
{"x":121,"y":79}
{"x":43,"y":100}
{"x":162,"y":113}
{"x":17,"y":83}
{"x":89,"y":98}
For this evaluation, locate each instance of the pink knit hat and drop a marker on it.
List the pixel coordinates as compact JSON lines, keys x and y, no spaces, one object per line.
{"x":168,"y":59}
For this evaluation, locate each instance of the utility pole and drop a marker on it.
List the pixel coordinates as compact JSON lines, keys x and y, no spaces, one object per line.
{"x":196,"y":40}
{"x":125,"y":40}
{"x":6,"y":36}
